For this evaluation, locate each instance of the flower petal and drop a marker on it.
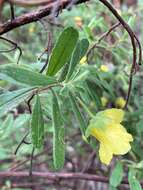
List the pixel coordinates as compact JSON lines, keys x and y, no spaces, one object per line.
{"x":114,"y":114}
{"x":96,"y":126}
{"x":105,"y":153}
{"x":118,"y":139}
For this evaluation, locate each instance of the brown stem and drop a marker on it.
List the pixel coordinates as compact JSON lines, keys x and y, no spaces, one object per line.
{"x":104,"y":35}
{"x":35,"y":16}
{"x":30,"y":3}
{"x":61,"y":176}
{"x":12,"y":11}
{"x":31,"y":162}
{"x":132,"y":37}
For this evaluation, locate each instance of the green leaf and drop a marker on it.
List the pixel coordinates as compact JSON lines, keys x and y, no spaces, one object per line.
{"x":24,"y":76}
{"x":94,"y":92}
{"x":9,"y":100}
{"x":63,"y":73}
{"x":6,"y":126}
{"x":79,"y":116}
{"x":106,"y":85}
{"x":58,"y":135}
{"x":112,"y":188}
{"x":116,"y":175}
{"x":133,"y":182}
{"x":37,"y":124}
{"x":63,"y":50}
{"x":88,"y":32}
{"x":78,"y":53}
{"x":22,"y":120}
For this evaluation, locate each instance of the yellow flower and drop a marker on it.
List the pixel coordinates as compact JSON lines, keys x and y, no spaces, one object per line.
{"x":32,"y":29}
{"x":120,"y":102}
{"x":83,"y":60}
{"x":107,"y":129}
{"x":78,"y":21}
{"x":104,"y":68}
{"x":104,"y":101}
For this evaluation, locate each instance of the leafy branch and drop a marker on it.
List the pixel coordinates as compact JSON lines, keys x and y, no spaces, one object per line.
{"x":35,"y":15}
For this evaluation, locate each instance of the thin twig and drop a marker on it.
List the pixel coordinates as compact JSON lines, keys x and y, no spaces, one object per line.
{"x":29,"y":103}
{"x":15,"y":46}
{"x":25,"y":142}
{"x":31,"y":161}
{"x":25,"y":3}
{"x":140,"y":50}
{"x":48,"y":50}
{"x":21,"y":163}
{"x":132,"y":37}
{"x":12,"y":11}
{"x":89,"y":162}
{"x":102,"y":37}
{"x":23,"y":139}
{"x":46,"y":63}
{"x":21,"y":142}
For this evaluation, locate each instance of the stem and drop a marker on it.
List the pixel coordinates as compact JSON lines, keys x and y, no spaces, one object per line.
{"x":85,"y":107}
{"x":64,"y":176}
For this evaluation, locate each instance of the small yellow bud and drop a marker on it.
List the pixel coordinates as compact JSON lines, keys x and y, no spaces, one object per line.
{"x":83,"y":60}
{"x":78,"y":21}
{"x":104,"y":101}
{"x":31,"y":29}
{"x":120,"y":102}
{"x":104,"y":68}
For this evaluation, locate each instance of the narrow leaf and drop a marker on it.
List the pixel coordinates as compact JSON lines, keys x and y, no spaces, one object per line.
{"x":58,"y":135}
{"x":63,"y":50}
{"x":79,"y":52}
{"x":116,"y":175}
{"x":133,"y":182}
{"x":112,"y":188}
{"x":93,"y":91}
{"x":78,"y":115}
{"x":37,"y":124}
{"x":6,"y":127}
{"x":63,"y":73}
{"x":9,"y":100}
{"x":24,"y":76}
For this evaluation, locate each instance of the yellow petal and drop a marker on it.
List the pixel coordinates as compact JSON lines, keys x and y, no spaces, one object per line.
{"x":114,"y":114}
{"x":105,"y":154}
{"x":98,"y":133}
{"x":83,"y":60}
{"x":118,"y":139}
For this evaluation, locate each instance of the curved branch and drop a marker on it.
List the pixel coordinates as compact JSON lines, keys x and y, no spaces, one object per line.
{"x":36,"y":15}
{"x":133,"y":38}
{"x":25,"y":3}
{"x":12,"y":49}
